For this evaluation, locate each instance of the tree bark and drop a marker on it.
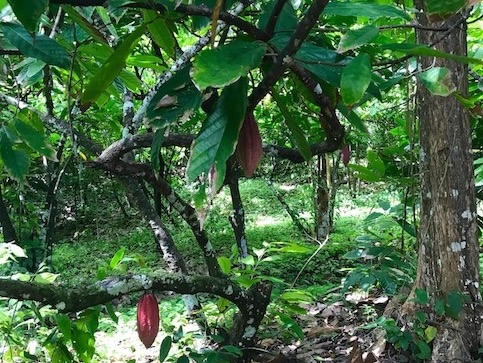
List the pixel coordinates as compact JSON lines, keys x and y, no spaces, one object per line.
{"x":448,"y":245}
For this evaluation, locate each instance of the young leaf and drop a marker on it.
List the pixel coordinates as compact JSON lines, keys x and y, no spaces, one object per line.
{"x":63,"y":322}
{"x":219,"y":134}
{"x":110,"y":69}
{"x":357,"y":37}
{"x":356,"y":77}
{"x":226,"y":64}
{"x":39,"y":47}
{"x":438,"y":81}
{"x":225,"y":264}
{"x":28,"y":12}
{"x":118,"y":256}
{"x":156,"y":149}
{"x":430,"y":333}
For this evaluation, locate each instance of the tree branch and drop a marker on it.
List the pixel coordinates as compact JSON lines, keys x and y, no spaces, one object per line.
{"x":82,"y":296}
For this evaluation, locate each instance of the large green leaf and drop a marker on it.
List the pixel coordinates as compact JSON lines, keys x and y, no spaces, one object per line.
{"x":226,"y":64}
{"x":16,"y":161}
{"x":110,"y":69}
{"x":34,"y":138}
{"x":40,"y":47}
{"x":424,"y":50}
{"x":438,"y":81}
{"x":176,"y":98}
{"x":443,"y":8}
{"x":297,"y":133}
{"x":369,"y":10}
{"x":219,"y":134}
{"x":355,"y":79}
{"x":84,"y":24}
{"x":28,"y":12}
{"x":357,"y":37}
{"x":352,"y":117}
{"x":287,"y":19}
{"x":162,"y":35}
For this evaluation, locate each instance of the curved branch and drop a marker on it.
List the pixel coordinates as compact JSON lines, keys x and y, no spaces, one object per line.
{"x":68,"y":299}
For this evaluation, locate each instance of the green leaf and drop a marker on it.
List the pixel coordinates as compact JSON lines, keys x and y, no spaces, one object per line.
{"x":219,"y":134}
{"x":454,"y":304}
{"x":438,"y":81}
{"x":183,"y":359}
{"x":248,"y":260}
{"x":162,"y":35}
{"x":34,"y":138}
{"x":111,"y":312}
{"x":352,"y":117}
{"x":165,"y":348}
{"x":294,"y":128}
{"x":375,"y":163}
{"x":176,"y":99}
{"x":28,"y":12}
{"x":356,"y":77}
{"x":357,"y":37}
{"x":225,"y":264}
{"x":15,"y":161}
{"x":368,"y":10}
{"x":287,"y":19}
{"x":424,"y":50}
{"x":118,"y":256}
{"x":292,"y":325}
{"x":63,"y":322}
{"x":444,"y":8}
{"x":430,"y":333}
{"x":110,"y":69}
{"x":84,"y":24}
{"x":365,"y":173}
{"x":439,"y":306}
{"x":39,"y":47}
{"x":226,"y":64}
{"x":424,"y":350}
{"x":156,"y":149}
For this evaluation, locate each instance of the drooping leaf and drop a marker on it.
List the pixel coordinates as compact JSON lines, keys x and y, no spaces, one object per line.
{"x":104,"y":15}
{"x":63,"y":322}
{"x":375,"y":163}
{"x":296,"y":131}
{"x":160,"y":32}
{"x":28,"y":12}
{"x":34,"y":138}
{"x":84,"y":24}
{"x":424,"y":50}
{"x":110,"y":69}
{"x":438,"y":81}
{"x":156,"y":149}
{"x":226,"y":64}
{"x":352,"y":117}
{"x":39,"y":47}
{"x":16,"y":161}
{"x":165,"y":348}
{"x":369,"y":10}
{"x":355,"y":79}
{"x":176,"y":99}
{"x":357,"y":37}
{"x":219,"y":134}
{"x":365,"y":173}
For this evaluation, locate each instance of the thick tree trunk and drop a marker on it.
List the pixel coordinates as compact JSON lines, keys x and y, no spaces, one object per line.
{"x":448,"y":248}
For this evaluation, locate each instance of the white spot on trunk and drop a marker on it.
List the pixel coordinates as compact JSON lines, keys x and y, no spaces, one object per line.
{"x":229,"y":290}
{"x":60,"y":306}
{"x":249,"y":332}
{"x":454,"y":193}
{"x":463,"y":245}
{"x":318,"y":89}
{"x":467,"y":215}
{"x":428,"y":195}
{"x":462,"y":262}
{"x":456,"y":247}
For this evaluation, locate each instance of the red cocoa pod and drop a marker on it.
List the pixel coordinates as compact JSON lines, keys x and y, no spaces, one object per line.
{"x":345,"y":154}
{"x":249,"y":149}
{"x":148,"y":319}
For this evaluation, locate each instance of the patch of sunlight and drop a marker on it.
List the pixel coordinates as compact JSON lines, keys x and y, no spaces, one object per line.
{"x":263,"y":221}
{"x":305,"y":215}
{"x":286,"y":187}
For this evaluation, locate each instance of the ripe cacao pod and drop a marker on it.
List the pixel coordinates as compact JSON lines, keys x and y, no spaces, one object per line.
{"x":148,"y":319}
{"x":249,"y":149}
{"x":345,"y":154}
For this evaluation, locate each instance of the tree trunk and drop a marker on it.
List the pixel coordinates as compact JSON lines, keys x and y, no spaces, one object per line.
{"x":448,"y":248}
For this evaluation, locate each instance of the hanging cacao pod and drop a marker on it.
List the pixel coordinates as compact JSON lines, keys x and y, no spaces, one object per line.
{"x":345,"y":154}
{"x":148,"y":319}
{"x":249,"y":149}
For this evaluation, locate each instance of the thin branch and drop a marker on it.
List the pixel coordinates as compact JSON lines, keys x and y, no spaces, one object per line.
{"x":272,"y":21}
